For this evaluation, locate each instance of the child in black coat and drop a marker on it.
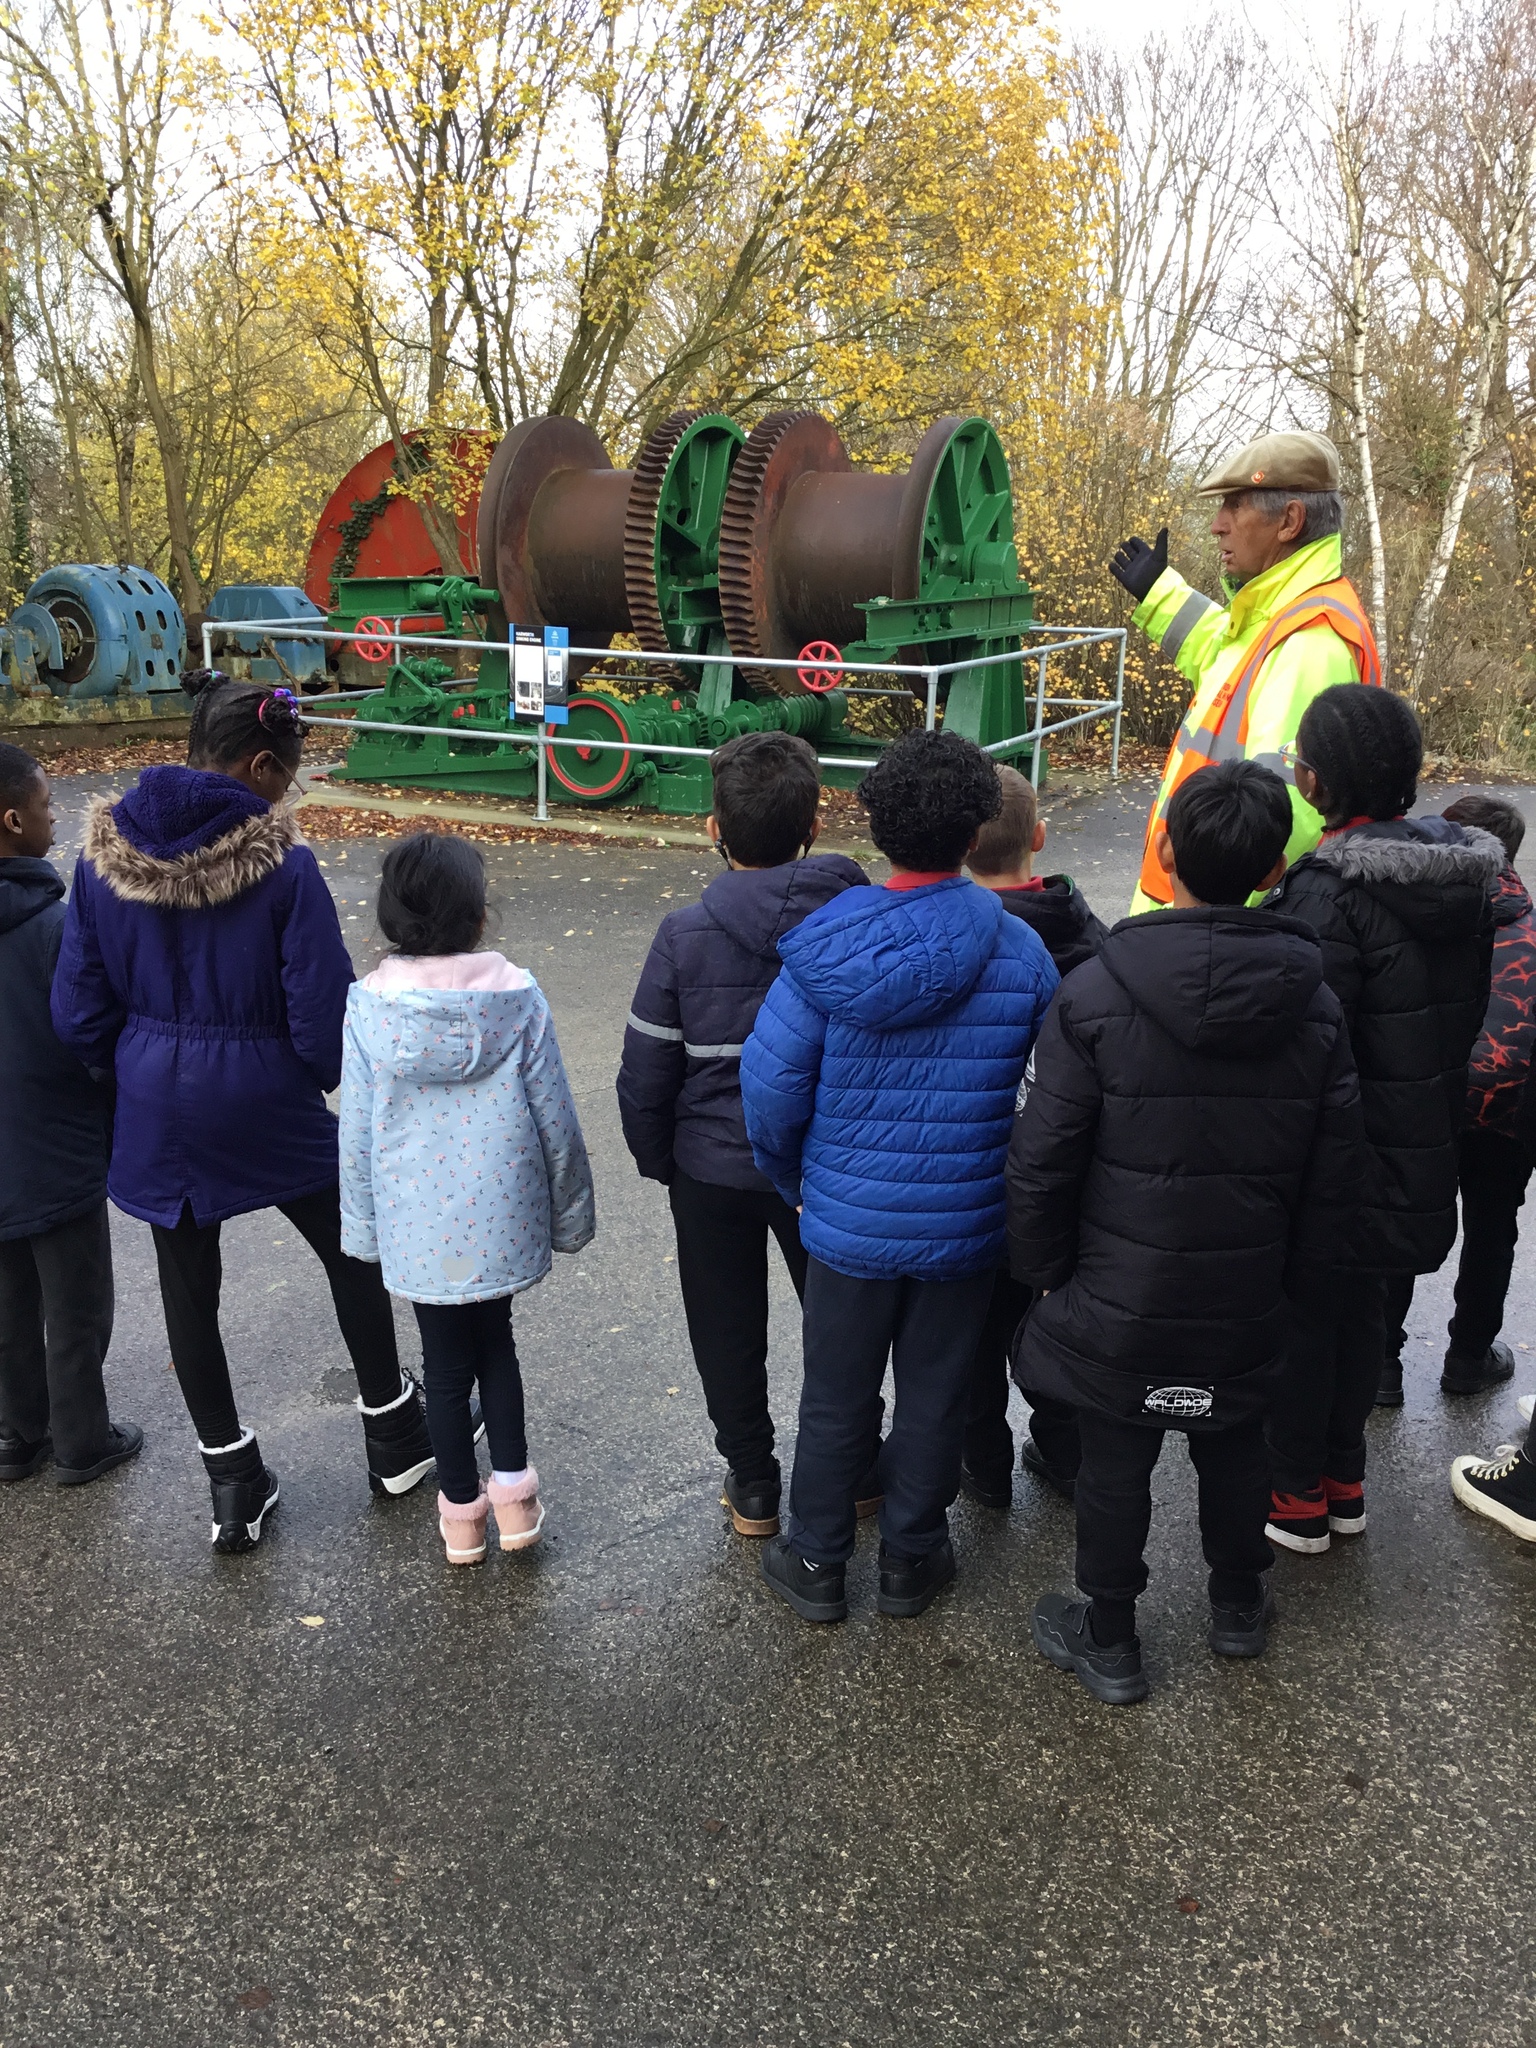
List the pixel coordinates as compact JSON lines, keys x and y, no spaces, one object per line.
{"x":56,"y":1295}
{"x":1402,"y":909}
{"x":1190,"y":1144}
{"x":1002,"y":860}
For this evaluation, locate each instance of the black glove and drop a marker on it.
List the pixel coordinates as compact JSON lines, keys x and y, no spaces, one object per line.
{"x":1137,"y":566}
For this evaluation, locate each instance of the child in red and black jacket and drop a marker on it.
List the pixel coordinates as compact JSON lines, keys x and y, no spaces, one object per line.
{"x":1002,"y":860}
{"x":1493,"y":1165}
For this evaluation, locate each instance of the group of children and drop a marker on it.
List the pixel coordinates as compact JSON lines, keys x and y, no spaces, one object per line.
{"x":1179,"y":1175}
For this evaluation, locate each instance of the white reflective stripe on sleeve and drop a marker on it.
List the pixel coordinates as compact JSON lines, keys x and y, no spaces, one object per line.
{"x":1183,"y":622}
{"x":655,"y":1030}
{"x":712,"y":1052}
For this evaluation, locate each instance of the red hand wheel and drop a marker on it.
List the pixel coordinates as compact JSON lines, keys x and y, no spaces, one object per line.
{"x":371,"y":650}
{"x":829,"y":670}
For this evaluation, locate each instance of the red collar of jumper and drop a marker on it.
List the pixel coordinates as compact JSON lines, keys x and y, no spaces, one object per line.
{"x":1349,"y":824}
{"x":916,"y":881}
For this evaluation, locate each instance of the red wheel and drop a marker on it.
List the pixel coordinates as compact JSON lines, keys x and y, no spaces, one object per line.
{"x":372,"y":650}
{"x":594,"y":719}
{"x":829,"y":673}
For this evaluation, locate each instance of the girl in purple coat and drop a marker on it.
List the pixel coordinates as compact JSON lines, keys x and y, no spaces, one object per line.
{"x":203,"y":961}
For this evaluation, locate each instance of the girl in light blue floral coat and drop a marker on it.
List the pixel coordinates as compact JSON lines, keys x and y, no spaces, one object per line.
{"x":462,"y":1168}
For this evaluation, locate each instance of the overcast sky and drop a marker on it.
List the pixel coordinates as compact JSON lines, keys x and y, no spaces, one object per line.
{"x":1126,"y":23}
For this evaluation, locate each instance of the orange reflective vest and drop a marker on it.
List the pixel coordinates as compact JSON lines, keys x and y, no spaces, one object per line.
{"x":1222,"y":734}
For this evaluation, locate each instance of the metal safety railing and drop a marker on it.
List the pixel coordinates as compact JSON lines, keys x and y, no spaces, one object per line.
{"x":536,"y":735}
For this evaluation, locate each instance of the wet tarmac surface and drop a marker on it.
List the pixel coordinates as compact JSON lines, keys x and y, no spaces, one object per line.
{"x":610,"y":1792}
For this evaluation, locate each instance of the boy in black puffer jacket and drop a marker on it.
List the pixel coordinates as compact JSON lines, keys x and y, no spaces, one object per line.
{"x":710,"y":965}
{"x":1402,"y":909}
{"x":1002,"y":860}
{"x":1191,"y":1144}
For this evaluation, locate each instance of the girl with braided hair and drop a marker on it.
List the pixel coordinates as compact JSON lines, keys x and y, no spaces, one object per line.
{"x":1401,"y":907}
{"x":202,"y":961}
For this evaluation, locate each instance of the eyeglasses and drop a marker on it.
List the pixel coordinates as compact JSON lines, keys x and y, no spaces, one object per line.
{"x":1291,"y":755}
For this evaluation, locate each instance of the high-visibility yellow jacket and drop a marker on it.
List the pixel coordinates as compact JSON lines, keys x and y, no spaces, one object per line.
{"x":1210,"y":644}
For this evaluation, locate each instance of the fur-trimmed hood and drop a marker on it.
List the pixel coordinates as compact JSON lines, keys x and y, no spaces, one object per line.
{"x":1430,"y":872}
{"x":244,"y":853}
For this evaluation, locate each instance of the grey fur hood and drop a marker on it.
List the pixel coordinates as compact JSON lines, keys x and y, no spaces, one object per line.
{"x":201,"y":877}
{"x":1428,"y":872}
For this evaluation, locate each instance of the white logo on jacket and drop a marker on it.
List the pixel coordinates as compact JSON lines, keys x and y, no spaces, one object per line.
{"x":1183,"y":1402}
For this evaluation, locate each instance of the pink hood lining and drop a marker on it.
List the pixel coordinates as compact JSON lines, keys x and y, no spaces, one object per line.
{"x":463,"y":971}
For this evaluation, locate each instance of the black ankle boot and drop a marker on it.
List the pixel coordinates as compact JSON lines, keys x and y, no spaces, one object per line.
{"x":244,"y":1493}
{"x":400,"y":1453}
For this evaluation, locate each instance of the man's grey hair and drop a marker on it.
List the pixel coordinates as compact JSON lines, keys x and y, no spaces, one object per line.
{"x":1324,"y":510}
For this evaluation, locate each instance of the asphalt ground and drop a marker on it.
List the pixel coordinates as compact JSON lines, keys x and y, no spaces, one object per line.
{"x":612,"y":1792}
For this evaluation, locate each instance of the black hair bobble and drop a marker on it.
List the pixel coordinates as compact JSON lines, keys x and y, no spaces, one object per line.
{"x":196,"y":680}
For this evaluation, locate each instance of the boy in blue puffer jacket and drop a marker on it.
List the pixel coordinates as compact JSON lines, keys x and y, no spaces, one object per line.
{"x":879,"y":1088}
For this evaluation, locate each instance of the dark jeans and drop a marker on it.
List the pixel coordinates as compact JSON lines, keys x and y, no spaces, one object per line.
{"x":1114,"y":1507}
{"x":1328,"y":1386}
{"x":928,"y":1329}
{"x":464,"y":1345}
{"x":722,"y":1263}
{"x":1494,"y":1171}
{"x":191,"y":1279}
{"x":55,"y":1325}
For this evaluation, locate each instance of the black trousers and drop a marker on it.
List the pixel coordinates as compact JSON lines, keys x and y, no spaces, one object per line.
{"x":988,"y":1439}
{"x":928,"y":1329}
{"x":1328,"y":1386}
{"x":722,"y":1263}
{"x":192,"y":1278}
{"x":1494,"y":1172}
{"x":466,"y":1344}
{"x":1114,"y":1507}
{"x":56,"y":1307}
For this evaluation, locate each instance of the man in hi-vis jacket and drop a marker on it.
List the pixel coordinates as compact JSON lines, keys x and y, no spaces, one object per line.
{"x":1293,"y":624}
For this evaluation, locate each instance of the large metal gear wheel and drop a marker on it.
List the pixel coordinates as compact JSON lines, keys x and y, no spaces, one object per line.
{"x":672,"y":535}
{"x":779,"y":451}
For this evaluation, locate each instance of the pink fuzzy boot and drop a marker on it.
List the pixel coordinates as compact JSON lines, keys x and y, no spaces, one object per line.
{"x":462,"y":1525}
{"x":519,"y":1511}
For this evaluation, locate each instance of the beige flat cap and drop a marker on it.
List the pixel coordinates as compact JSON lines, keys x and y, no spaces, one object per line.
{"x":1276,"y":462}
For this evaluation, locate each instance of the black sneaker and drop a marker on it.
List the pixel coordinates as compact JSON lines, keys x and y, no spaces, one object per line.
{"x":1502,"y":1487}
{"x":909,"y":1584}
{"x":1389,"y":1388}
{"x":815,"y":1591}
{"x":1111,"y":1671}
{"x":399,"y":1447}
{"x":244,"y":1494}
{"x":124,"y":1442}
{"x":993,"y":1490}
{"x":19,"y":1459}
{"x":1033,"y":1459}
{"x":754,"y":1506}
{"x":1242,"y":1631}
{"x":1475,"y":1373}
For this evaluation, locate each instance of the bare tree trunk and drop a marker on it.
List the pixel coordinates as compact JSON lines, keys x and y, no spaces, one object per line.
{"x":17,"y":472}
{"x":1489,"y":168}
{"x":1357,"y":319}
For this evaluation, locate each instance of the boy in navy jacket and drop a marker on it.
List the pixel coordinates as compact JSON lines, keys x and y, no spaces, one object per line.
{"x":55,"y":1247}
{"x":879,"y":1087}
{"x":710,"y":965}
